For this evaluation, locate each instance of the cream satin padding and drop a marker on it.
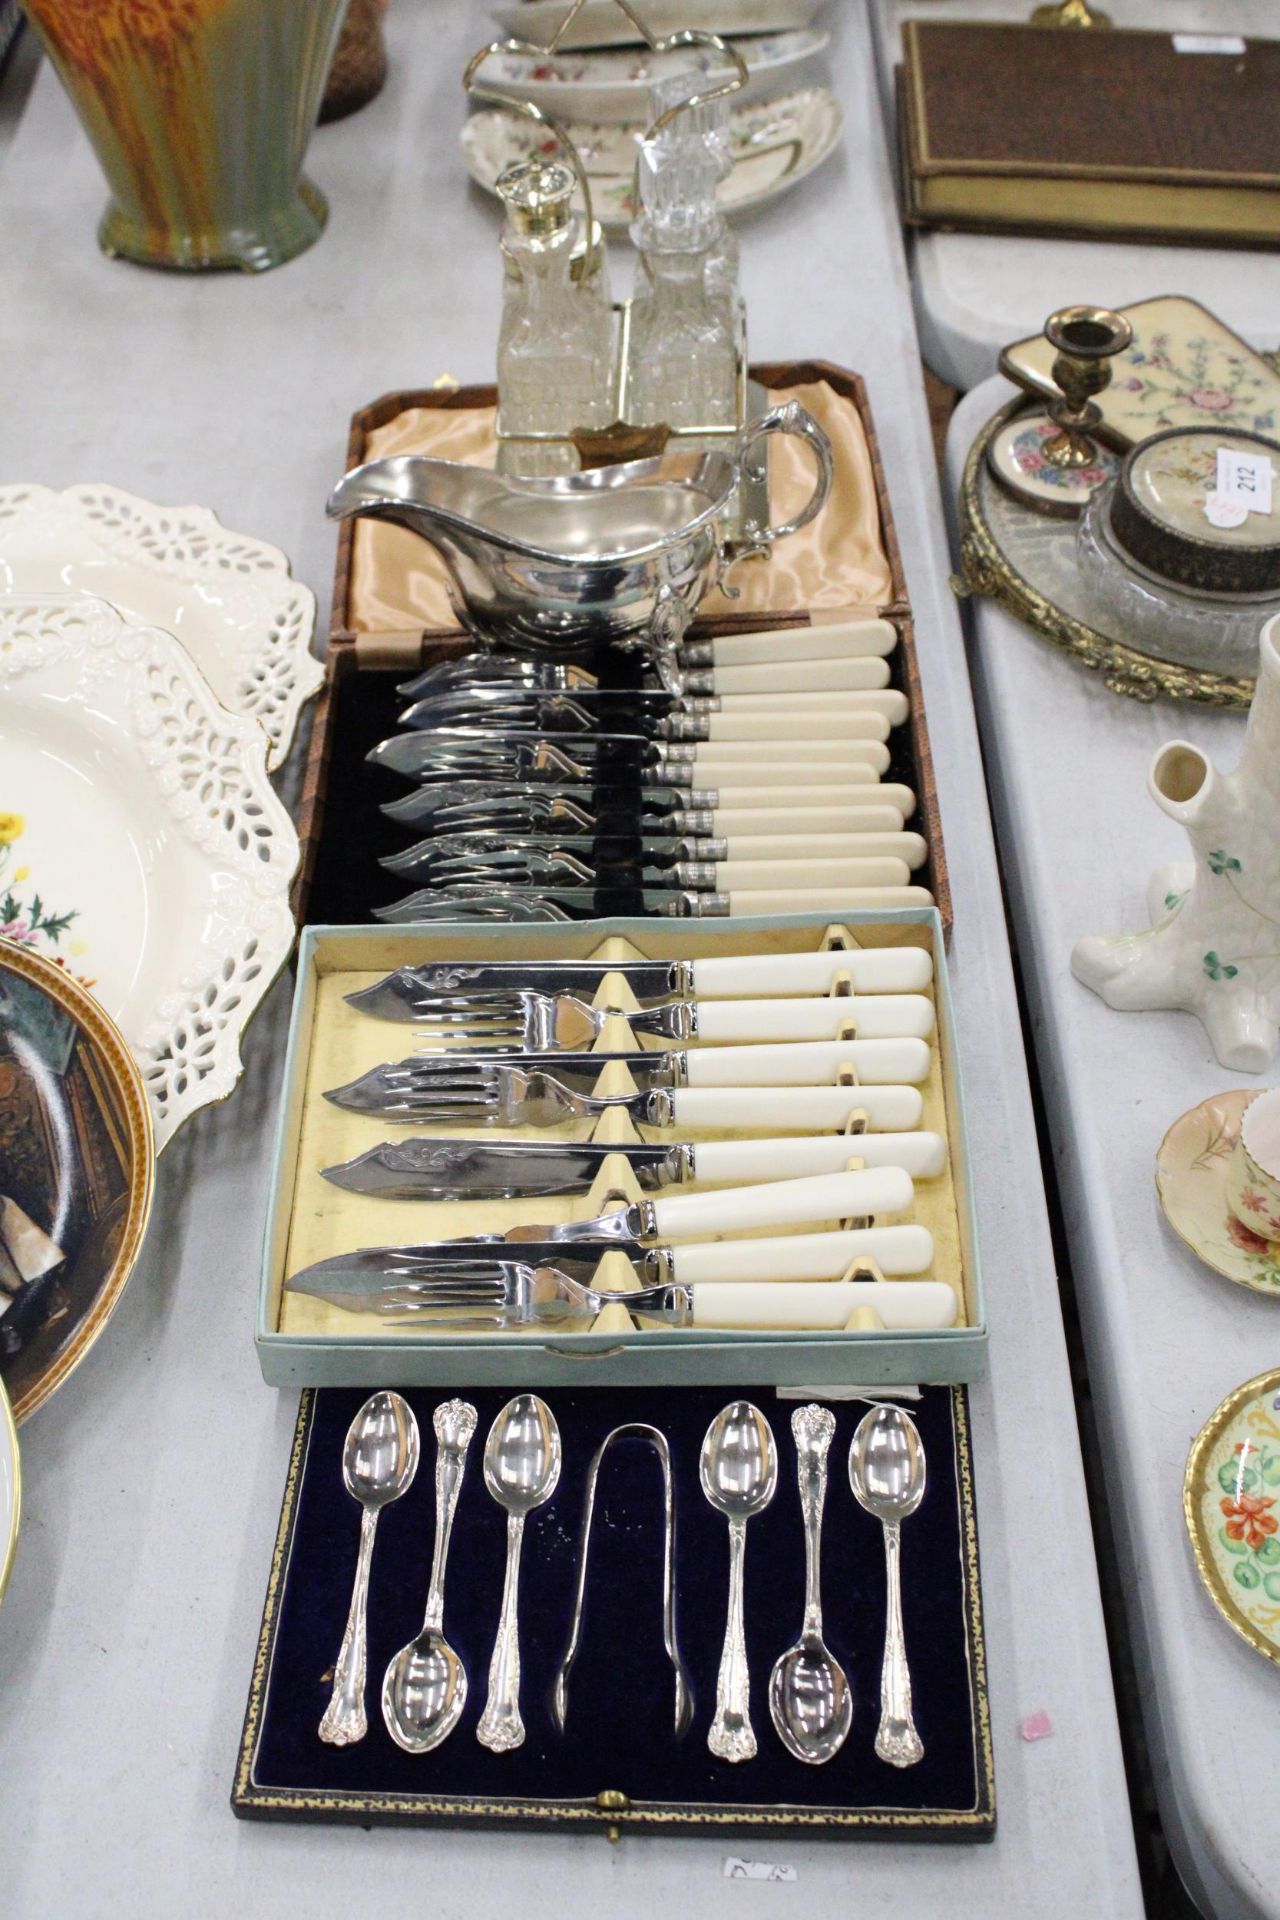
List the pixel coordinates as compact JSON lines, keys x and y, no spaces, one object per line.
{"x":919,"y":1305}
{"x":399,"y":582}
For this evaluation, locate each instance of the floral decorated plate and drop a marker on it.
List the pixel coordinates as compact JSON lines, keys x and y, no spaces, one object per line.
{"x":1191,"y":1179}
{"x":602,"y":23}
{"x":10,"y":1489}
{"x":1231,"y":1501}
{"x":775,"y":143}
{"x":229,"y":599}
{"x":76,"y":1169}
{"x":613,"y":83}
{"x":141,"y":845}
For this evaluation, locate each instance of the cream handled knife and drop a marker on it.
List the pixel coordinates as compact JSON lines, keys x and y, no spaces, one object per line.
{"x":778,"y":648}
{"x":438,"y":1167}
{"x":410,"y":991}
{"x":729,"y":1210}
{"x":444,"y":1274}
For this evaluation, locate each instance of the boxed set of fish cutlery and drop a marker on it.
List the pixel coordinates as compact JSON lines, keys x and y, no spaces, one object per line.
{"x":578,"y":697}
{"x":642,"y":1612}
{"x":629,"y":1151}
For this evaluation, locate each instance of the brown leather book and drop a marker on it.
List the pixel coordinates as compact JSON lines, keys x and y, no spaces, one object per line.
{"x":1049,"y":130}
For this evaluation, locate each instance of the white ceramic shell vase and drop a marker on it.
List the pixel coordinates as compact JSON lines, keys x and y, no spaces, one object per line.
{"x":1214,"y":946}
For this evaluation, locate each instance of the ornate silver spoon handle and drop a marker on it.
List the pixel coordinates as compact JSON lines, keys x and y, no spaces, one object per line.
{"x":454,"y":1422}
{"x":812,"y":1428}
{"x":731,"y":1736}
{"x":344,"y":1719}
{"x":501,"y":1727}
{"x":896,"y":1740}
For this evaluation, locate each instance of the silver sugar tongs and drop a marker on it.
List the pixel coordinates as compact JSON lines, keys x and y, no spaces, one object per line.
{"x":684,"y":1692}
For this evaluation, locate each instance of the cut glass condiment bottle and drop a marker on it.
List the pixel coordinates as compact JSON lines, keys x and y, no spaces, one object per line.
{"x":685,"y":315}
{"x":555,"y":344}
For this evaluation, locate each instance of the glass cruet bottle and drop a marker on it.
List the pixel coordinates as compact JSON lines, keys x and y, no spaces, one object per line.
{"x":555,"y":343}
{"x":683,"y":356}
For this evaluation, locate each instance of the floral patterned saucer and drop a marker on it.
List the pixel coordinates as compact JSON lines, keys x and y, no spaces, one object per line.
{"x":1231,"y":1502}
{"x":1191,"y":1180}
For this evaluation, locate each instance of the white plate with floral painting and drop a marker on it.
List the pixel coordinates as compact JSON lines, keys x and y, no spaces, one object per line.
{"x":231,"y":601}
{"x":1191,"y":1180}
{"x":141,"y":844}
{"x":602,"y":23}
{"x":775,"y":144}
{"x":613,"y":83}
{"x":1231,"y":1503}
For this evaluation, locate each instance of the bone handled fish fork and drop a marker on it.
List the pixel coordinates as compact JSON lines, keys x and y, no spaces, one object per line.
{"x":533,"y":1022}
{"x":490,"y":1293}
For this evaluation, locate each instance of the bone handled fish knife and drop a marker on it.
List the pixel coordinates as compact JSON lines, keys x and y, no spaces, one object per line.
{"x":440,"y":1271}
{"x":652,"y":859}
{"x":485,"y":900}
{"x":434,"y":1168}
{"x":485,"y":753}
{"x":404,"y":993}
{"x":823,"y":640}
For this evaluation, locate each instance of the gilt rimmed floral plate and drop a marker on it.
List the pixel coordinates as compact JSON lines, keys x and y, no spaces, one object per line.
{"x":775,"y":144}
{"x":77,"y":1162}
{"x":612,"y":83}
{"x":1191,"y":1180}
{"x":231,"y":601}
{"x":1231,"y":1502}
{"x":10,"y":1489}
{"x":142,"y":847}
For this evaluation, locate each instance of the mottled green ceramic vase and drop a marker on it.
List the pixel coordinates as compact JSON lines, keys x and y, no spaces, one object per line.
{"x":199,"y":112}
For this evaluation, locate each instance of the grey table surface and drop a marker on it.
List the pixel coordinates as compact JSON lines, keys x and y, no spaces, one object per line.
{"x":1166,"y":1338}
{"x":976,"y":292}
{"x":152,"y":1483}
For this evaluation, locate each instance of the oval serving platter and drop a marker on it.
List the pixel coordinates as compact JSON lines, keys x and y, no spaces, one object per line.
{"x":231,"y":600}
{"x":612,"y":83}
{"x":77,"y":1161}
{"x":775,"y":144}
{"x":141,"y":844}
{"x":1231,"y":1504}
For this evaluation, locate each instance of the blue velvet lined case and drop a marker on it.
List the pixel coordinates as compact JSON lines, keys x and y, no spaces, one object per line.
{"x":618,"y":1763}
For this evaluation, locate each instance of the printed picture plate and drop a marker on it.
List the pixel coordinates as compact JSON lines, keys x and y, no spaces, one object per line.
{"x":76,"y":1167}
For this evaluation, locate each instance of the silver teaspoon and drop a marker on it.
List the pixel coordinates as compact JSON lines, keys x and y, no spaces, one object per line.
{"x":886,"y":1472}
{"x":521,"y":1471}
{"x":379,"y":1460}
{"x":425,"y":1687}
{"x":810,"y":1701}
{"x":739,"y":1471}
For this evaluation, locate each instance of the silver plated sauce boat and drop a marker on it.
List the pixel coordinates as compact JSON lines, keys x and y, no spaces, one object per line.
{"x":617,"y":555}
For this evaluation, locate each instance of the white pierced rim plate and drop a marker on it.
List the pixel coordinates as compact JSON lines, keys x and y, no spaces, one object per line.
{"x":602,"y":23}
{"x":775,"y":144}
{"x":142,"y":846}
{"x":612,"y":83}
{"x":230,"y":599}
